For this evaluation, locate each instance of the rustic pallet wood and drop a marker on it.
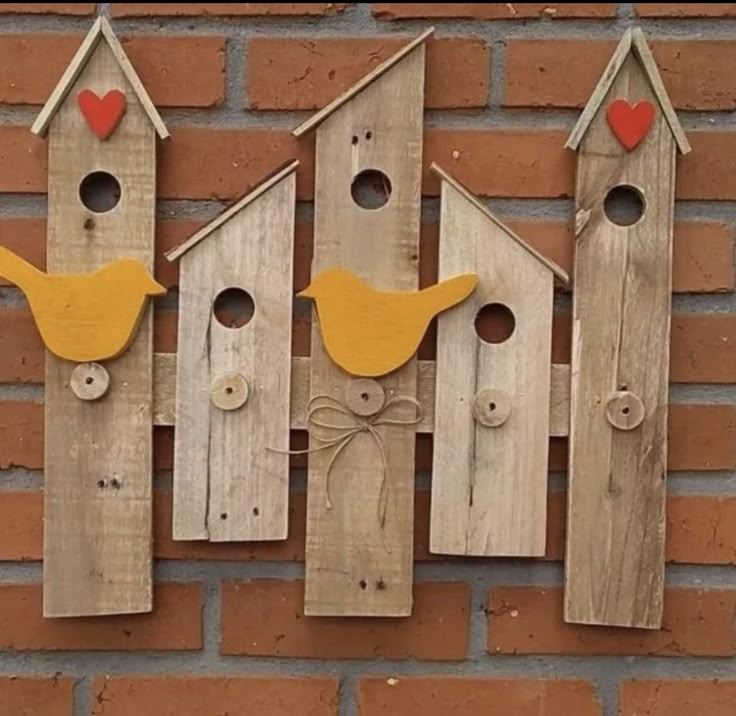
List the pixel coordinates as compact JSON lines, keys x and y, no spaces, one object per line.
{"x":164,"y":405}
{"x":620,"y":359}
{"x":359,"y":540}
{"x":492,"y":404}
{"x":98,"y":454}
{"x":231,"y":467}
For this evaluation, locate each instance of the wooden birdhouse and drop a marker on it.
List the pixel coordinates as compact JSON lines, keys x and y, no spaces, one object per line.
{"x":367,"y":200}
{"x":626,"y":138}
{"x":102,"y":129}
{"x":231,"y":463}
{"x":492,"y":405}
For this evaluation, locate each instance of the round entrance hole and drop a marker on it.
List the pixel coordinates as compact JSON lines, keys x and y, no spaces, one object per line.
{"x":371,"y":189}
{"x":100,"y":192}
{"x":624,"y":205}
{"x":495,"y":323}
{"x":234,"y":308}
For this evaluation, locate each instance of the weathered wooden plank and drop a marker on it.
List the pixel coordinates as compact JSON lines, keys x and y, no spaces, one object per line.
{"x":164,"y":393}
{"x":231,"y":466}
{"x":621,"y":326}
{"x":358,"y":557}
{"x":491,"y":436}
{"x":97,"y":537}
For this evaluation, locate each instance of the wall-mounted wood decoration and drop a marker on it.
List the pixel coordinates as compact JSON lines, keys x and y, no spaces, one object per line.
{"x":97,"y":475}
{"x":370,"y":333}
{"x":620,"y":357}
{"x":102,"y":114}
{"x":361,"y":492}
{"x":231,"y":463}
{"x":492,"y":409}
{"x":84,"y":317}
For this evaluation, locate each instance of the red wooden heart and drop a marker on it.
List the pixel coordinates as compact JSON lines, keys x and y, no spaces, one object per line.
{"x":630,"y":123}
{"x":102,"y":115}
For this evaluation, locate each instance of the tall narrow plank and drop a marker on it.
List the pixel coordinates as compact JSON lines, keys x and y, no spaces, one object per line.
{"x":231,"y":467}
{"x":97,"y":537}
{"x":621,"y":326}
{"x":492,"y":410}
{"x":353,"y":565}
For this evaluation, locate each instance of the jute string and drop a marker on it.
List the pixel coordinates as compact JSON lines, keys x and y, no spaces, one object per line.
{"x":318,"y":410}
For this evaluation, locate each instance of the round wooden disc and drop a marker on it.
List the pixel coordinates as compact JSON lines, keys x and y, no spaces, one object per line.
{"x":625,"y":410}
{"x":492,"y":407}
{"x":229,"y":391}
{"x":364,"y":396}
{"x":90,"y":381}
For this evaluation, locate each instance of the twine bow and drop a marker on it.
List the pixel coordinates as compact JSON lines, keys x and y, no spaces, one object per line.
{"x":344,"y":435}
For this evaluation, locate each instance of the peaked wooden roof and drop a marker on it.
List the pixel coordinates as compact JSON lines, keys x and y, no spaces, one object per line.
{"x":632,"y":41}
{"x":455,"y":184}
{"x":100,"y":30}
{"x":218,"y":221}
{"x":360,"y":85}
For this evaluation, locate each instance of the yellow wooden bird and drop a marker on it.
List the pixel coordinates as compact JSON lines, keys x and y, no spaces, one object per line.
{"x":370,"y":333}
{"x":84,"y":317}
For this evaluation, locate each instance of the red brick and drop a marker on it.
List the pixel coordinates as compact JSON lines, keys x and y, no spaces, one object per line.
{"x":563,"y":73}
{"x":689,"y":444}
{"x":677,"y":698}
{"x":685,"y":9}
{"x":47,"y":8}
{"x":176,"y":71}
{"x":23,"y":163}
{"x":703,"y":349}
{"x":308,"y":73}
{"x":491,"y":10}
{"x":51,"y":696}
{"x":525,"y":163}
{"x":265,"y":618}
{"x":709,"y":171}
{"x":246,"y":9}
{"x":25,"y":237}
{"x":224,"y":164}
{"x":174,"y":624}
{"x":21,"y":435}
{"x":528,"y":620}
{"x":21,"y":527}
{"x":701,"y":529}
{"x":288,"y":550}
{"x":198,"y":696}
{"x":439,"y":696}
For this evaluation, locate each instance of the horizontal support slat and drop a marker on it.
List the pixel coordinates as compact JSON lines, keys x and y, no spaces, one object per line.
{"x":165,"y":394}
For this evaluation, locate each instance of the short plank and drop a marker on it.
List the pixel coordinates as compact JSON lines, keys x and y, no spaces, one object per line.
{"x":98,"y":456}
{"x":231,"y":463}
{"x":491,"y":436}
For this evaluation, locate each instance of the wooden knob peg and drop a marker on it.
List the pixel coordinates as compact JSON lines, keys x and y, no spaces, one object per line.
{"x":624,"y":410}
{"x":364,"y":397}
{"x":492,"y":407}
{"x":90,"y":381}
{"x":229,"y":391}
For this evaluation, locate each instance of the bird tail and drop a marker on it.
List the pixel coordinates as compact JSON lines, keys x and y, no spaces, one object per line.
{"x":17,"y":270}
{"x":450,"y":292}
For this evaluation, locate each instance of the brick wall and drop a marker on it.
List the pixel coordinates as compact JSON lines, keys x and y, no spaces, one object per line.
{"x":504,"y":85}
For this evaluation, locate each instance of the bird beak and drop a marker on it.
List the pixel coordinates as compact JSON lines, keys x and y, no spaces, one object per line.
{"x":306,"y":293}
{"x":156,"y":289}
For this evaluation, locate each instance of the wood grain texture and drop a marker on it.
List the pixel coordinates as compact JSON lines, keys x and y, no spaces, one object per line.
{"x":370,"y":333}
{"x":97,"y":539}
{"x":492,"y":404}
{"x":621,"y":328}
{"x":229,"y":482}
{"x":84,"y":317}
{"x":164,"y":400}
{"x":349,"y":568}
